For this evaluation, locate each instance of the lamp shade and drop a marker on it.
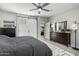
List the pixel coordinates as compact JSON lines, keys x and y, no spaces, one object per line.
{"x":74,"y":26}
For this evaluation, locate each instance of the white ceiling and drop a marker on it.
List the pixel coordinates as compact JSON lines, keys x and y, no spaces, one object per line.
{"x":23,"y":8}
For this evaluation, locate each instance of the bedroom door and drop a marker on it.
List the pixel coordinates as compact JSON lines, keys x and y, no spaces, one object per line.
{"x":21,"y":27}
{"x":32,"y":27}
{"x":26,"y":27}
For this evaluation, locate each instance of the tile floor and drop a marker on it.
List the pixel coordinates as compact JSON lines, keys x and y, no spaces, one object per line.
{"x":59,"y":49}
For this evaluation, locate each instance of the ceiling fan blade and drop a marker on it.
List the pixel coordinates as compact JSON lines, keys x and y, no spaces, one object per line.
{"x":44,"y":5}
{"x":46,"y":10}
{"x":33,"y":9}
{"x":35,"y":5}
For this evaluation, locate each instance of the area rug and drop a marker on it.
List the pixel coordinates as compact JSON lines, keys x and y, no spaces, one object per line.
{"x":57,"y":51}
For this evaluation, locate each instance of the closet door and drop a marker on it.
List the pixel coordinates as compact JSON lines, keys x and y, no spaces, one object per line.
{"x":26,"y":27}
{"x":22,"y":29}
{"x":32,"y":27}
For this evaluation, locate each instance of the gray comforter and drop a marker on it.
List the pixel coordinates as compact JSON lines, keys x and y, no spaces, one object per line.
{"x":7,"y":46}
{"x":23,"y":46}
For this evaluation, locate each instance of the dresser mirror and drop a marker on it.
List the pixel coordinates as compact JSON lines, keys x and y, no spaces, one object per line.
{"x":59,"y":26}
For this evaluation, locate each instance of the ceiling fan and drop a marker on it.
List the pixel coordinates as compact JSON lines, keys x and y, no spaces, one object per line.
{"x":40,"y":7}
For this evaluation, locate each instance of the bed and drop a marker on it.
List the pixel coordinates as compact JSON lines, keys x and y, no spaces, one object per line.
{"x":23,"y":46}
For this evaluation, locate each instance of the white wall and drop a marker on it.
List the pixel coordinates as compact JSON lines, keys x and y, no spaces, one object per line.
{"x":70,"y":16}
{"x":47,"y":30}
{"x":7,"y":16}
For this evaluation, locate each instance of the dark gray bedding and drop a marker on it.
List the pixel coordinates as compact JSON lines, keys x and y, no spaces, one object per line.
{"x":23,"y":46}
{"x":7,"y":46}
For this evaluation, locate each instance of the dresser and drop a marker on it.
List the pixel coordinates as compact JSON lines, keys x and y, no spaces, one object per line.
{"x":60,"y":37}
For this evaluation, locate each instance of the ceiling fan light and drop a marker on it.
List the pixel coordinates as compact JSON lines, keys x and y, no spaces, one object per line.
{"x":39,"y":9}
